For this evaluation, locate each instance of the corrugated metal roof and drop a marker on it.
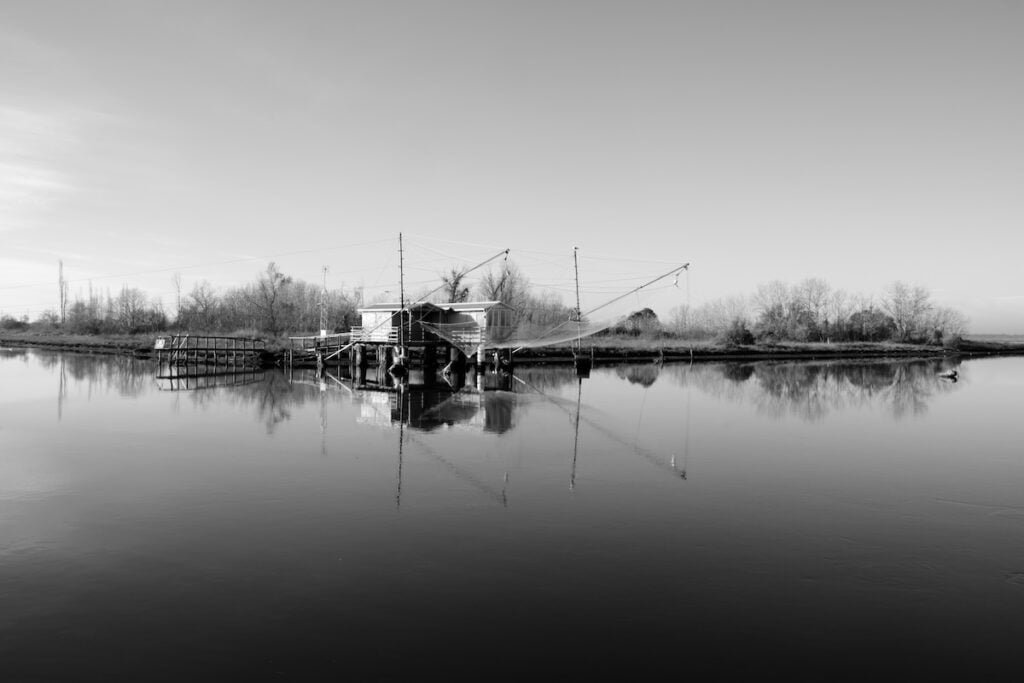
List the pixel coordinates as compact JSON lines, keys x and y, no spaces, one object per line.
{"x":462,"y":306}
{"x":472,"y":305}
{"x":395,"y":307}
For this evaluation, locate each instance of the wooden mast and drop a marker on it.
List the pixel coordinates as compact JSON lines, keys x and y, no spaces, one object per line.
{"x":401,"y":294}
{"x":581,"y":364}
{"x":579,"y":323}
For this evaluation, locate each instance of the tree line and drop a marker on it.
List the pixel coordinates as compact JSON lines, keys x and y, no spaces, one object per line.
{"x":812,"y":311}
{"x":275,"y":304}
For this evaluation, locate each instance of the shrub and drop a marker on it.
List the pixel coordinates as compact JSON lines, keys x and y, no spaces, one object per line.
{"x":9,"y":323}
{"x":737,"y":334}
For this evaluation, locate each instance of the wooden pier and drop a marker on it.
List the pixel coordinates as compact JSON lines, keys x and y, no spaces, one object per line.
{"x":303,"y":350}
{"x":230,"y":352}
{"x":421,"y":337}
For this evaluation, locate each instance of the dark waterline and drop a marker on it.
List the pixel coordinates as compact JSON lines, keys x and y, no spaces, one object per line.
{"x":828,"y":520}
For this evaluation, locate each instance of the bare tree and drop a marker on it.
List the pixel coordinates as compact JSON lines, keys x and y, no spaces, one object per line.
{"x":508,"y":285}
{"x":200,"y":307}
{"x":680,"y":319}
{"x":131,"y":308}
{"x":907,"y":306}
{"x":946,"y":324}
{"x":62,"y":286}
{"x":812,"y":295}
{"x":176,"y":281}
{"x":771,"y":297}
{"x":838,"y":309}
{"x":266,"y":297}
{"x":454,"y":291}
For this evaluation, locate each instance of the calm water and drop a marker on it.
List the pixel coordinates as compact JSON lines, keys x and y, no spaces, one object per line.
{"x":831,"y":519}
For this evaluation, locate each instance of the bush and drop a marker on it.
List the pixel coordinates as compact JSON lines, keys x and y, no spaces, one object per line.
{"x":9,"y":323}
{"x":737,"y":334}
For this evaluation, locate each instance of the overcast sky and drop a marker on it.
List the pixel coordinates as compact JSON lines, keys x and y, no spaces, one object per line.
{"x":861,"y":142}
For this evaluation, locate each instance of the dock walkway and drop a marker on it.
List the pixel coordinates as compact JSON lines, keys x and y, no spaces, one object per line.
{"x":311,"y":348}
{"x":185,"y":349}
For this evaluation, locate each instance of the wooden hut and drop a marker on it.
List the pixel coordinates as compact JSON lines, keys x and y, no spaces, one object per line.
{"x":469,"y":326}
{"x":474,"y":322}
{"x":380,"y":323}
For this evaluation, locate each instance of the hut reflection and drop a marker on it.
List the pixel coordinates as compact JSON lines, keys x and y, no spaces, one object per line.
{"x":430,"y":408}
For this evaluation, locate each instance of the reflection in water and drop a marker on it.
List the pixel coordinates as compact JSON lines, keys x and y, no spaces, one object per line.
{"x":453,"y":469}
{"x":576,"y":434}
{"x":62,"y":389}
{"x":644,"y":375}
{"x":476,"y":404}
{"x":811,"y":390}
{"x":686,"y":437}
{"x":273,"y":398}
{"x":126,"y":375}
{"x":268,"y":392}
{"x":862,"y":534}
{"x":193,"y":377}
{"x":483,"y":402}
{"x":429,"y":408}
{"x":611,"y":435}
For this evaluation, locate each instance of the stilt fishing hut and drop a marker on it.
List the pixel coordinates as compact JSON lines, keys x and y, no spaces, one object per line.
{"x":427,"y":335}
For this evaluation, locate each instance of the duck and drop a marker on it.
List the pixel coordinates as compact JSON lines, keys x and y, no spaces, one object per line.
{"x":950,"y":374}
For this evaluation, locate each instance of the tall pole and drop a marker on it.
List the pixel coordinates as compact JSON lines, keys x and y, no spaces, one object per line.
{"x":323,"y":306}
{"x":579,"y":324}
{"x":62,"y":288}
{"x":401,"y":293}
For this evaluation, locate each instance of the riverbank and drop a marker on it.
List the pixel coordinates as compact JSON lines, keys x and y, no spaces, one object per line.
{"x":603,"y":349}
{"x":140,"y":345}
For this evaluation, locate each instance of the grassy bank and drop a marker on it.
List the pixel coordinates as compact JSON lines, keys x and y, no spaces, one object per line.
{"x":611,"y":349}
{"x":604,"y":349}
{"x":140,"y":345}
{"x":134,"y":344}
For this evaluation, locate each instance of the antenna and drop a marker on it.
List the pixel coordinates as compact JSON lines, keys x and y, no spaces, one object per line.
{"x":62,"y":289}
{"x":323,"y":306}
{"x":401,"y":294}
{"x":579,"y":323}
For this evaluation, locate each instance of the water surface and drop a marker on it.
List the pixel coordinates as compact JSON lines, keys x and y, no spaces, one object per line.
{"x":826,"y":518}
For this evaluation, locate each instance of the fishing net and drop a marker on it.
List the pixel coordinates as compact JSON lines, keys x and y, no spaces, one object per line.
{"x":566,"y":297}
{"x":467,"y":337}
{"x":555,"y":324}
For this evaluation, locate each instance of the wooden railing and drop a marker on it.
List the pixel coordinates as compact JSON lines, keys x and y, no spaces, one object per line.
{"x":318,"y":343}
{"x":387,"y":335}
{"x":467,"y":338}
{"x":185,"y":348}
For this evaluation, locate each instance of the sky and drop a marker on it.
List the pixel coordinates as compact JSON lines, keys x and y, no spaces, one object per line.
{"x":859,"y":142}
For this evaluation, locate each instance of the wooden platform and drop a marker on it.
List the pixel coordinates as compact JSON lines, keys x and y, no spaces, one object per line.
{"x":185,"y":349}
